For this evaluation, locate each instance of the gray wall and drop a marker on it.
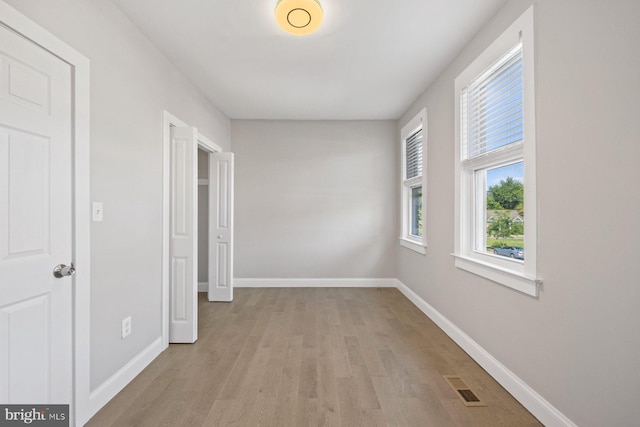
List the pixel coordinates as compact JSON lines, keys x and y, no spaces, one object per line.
{"x":131,"y":83}
{"x":577,"y":345}
{"x":315,"y":199}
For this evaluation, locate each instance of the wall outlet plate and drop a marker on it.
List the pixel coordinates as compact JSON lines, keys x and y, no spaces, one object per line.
{"x":126,"y":327}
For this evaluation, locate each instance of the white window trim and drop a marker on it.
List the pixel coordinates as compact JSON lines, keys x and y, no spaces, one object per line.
{"x":406,"y":239}
{"x":518,"y":275}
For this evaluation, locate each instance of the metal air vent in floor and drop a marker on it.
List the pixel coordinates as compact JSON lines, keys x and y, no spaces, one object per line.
{"x":463,"y":391}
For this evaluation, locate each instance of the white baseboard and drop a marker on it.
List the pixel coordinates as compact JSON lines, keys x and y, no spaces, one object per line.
{"x":203,"y":287}
{"x":546,"y":413}
{"x":107,"y":390}
{"x":314,"y":283}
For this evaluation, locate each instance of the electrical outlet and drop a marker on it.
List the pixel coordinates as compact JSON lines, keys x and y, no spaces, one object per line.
{"x":126,"y":327}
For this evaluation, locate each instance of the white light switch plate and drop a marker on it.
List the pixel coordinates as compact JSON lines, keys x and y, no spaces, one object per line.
{"x":97,"y":212}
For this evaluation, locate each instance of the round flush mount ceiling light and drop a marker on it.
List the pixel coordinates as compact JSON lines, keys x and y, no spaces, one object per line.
{"x":299,"y":16}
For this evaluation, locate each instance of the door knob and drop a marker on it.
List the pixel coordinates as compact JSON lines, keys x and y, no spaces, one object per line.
{"x":62,"y":270}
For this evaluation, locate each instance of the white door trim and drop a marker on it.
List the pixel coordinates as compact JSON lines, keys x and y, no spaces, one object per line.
{"x":16,"y":21}
{"x":168,"y":121}
{"x":208,"y":145}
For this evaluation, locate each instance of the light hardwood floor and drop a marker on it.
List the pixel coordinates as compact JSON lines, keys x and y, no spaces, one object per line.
{"x":312,"y":357}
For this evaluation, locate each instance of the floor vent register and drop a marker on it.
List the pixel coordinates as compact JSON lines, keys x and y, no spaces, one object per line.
{"x":463,"y":391}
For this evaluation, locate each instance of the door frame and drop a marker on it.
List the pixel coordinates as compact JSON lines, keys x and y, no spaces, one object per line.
{"x":81,"y":212}
{"x":169,"y":121}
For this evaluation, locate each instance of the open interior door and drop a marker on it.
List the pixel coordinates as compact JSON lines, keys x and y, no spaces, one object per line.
{"x":221,"y":227}
{"x":183,"y":287}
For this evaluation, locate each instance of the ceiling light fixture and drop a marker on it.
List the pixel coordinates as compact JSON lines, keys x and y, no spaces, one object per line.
{"x":299,"y":17}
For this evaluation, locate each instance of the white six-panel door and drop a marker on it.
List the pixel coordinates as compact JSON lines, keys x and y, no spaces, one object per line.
{"x":35,"y":223}
{"x":220,"y":227}
{"x":183,"y":263}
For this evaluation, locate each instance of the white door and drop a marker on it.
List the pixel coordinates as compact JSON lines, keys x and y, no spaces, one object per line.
{"x":35,"y":224}
{"x":183,"y":263}
{"x":221,"y":227}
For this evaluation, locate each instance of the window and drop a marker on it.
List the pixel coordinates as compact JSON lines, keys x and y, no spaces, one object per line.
{"x":413,"y":234}
{"x":495,"y":162}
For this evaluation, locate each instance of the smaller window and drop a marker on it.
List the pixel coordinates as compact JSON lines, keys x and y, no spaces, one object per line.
{"x":413,"y":184}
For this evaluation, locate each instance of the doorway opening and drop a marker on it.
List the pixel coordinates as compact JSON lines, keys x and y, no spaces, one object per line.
{"x":197,"y":227}
{"x":203,"y":221}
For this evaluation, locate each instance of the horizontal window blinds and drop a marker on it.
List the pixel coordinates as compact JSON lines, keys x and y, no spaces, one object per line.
{"x":492,"y":107}
{"x":414,"y":155}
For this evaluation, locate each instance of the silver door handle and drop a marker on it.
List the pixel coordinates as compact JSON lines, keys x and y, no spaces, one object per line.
{"x":62,"y":270}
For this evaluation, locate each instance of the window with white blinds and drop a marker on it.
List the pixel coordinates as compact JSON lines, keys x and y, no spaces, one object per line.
{"x":495,"y":171}
{"x":492,"y":107}
{"x":413,"y":155}
{"x":413,"y":230}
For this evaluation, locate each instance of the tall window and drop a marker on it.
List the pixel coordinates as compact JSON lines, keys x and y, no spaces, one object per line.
{"x":495,"y":162}
{"x":413,"y":161}
{"x":492,"y":125}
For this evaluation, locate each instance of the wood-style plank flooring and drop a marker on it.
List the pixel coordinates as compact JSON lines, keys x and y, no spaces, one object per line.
{"x":312,"y":357}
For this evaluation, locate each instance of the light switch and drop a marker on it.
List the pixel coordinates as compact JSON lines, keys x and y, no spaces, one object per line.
{"x":97,"y":212}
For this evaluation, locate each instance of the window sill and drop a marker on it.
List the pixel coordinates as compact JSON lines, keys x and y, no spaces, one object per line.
{"x":512,"y":279}
{"x":414,"y":246}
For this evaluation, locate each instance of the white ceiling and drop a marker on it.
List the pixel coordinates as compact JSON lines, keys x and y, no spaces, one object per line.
{"x":370,"y":59}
